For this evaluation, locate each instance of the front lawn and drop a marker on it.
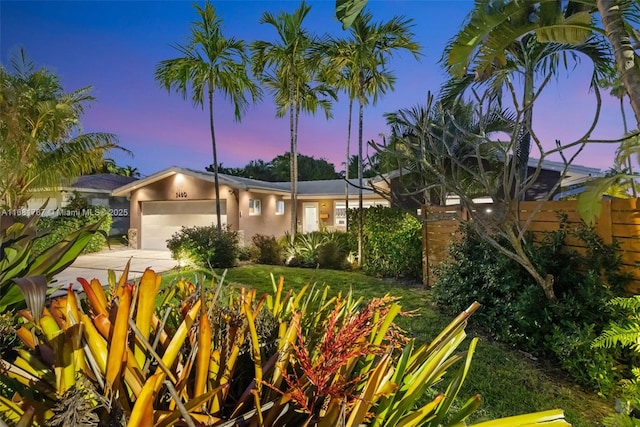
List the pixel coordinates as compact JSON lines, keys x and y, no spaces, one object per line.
{"x":510,"y":382}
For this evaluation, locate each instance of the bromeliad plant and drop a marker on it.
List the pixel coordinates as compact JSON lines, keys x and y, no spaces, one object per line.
{"x":17,"y":258}
{"x":207,"y":355}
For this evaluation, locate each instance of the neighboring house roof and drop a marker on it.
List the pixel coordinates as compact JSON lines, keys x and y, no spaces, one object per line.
{"x":316,"y":189}
{"x":101,"y":181}
{"x":575,"y":174}
{"x":97,"y":183}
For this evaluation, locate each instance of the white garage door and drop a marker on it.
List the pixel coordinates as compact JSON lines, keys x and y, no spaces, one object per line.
{"x":161,"y":219}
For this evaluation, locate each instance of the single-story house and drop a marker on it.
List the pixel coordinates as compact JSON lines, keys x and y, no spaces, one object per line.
{"x":96,"y":190}
{"x":162,"y":203}
{"x":573,"y":177}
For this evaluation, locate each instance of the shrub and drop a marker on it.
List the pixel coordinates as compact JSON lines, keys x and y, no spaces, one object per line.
{"x":319,"y":249}
{"x":392,"y":242}
{"x":333,"y":252}
{"x":204,"y":246}
{"x":624,"y":332}
{"x":247,"y":253}
{"x":54,"y":229}
{"x":270,"y":251}
{"x":515,"y":309}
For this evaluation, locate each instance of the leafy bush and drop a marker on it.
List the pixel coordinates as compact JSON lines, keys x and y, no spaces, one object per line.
{"x":515,"y":309}
{"x":392,"y":242}
{"x":233,"y":358}
{"x":319,"y":249}
{"x":625,"y":333}
{"x":247,"y":253}
{"x":204,"y":246}
{"x":56,"y":228}
{"x":270,"y":250}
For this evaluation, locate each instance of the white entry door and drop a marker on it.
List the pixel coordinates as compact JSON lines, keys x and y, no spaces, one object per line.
{"x":310,"y":217}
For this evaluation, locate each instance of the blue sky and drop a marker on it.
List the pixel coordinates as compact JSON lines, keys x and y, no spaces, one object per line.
{"x":115,"y":46}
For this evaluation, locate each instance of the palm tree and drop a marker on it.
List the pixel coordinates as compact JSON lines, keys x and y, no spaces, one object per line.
{"x":492,"y":26}
{"x":288,"y":70}
{"x":210,"y":62}
{"x":617,"y":17}
{"x":364,"y":57}
{"x":619,"y":91}
{"x":40,"y":133}
{"x":530,"y":59}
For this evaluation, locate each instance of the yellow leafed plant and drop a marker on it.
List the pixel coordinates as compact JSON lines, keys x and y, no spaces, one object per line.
{"x":204,"y":354}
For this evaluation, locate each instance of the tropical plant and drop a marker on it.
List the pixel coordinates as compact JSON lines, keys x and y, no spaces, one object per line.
{"x":18,"y":258}
{"x":514,"y":307}
{"x":287,"y":69}
{"x":620,"y":20}
{"x":40,"y":133}
{"x":531,"y":57}
{"x":54,"y":229}
{"x":436,"y":148}
{"x":110,"y":166}
{"x":270,"y":250}
{"x":210,"y":63}
{"x":231,"y":358}
{"x":319,"y":249}
{"x":204,"y":247}
{"x":629,"y":146}
{"x":625,"y":333}
{"x":362,"y":66}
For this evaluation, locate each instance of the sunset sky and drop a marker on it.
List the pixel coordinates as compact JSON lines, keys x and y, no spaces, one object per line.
{"x":115,"y":47}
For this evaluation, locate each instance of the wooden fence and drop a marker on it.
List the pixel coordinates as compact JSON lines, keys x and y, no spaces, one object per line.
{"x":619,"y":220}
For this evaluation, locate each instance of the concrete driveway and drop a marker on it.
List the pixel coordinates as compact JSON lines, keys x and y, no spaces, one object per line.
{"x":96,"y":265}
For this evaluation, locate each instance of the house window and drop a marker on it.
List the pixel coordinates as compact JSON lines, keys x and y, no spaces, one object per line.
{"x":255,"y":207}
{"x":340,"y":213}
{"x":340,"y":210}
{"x":279,"y":207}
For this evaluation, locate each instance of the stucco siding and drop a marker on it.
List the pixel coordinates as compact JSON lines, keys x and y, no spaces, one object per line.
{"x":268,"y":222}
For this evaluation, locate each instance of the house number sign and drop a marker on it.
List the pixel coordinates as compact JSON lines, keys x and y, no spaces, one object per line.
{"x":181,"y":193}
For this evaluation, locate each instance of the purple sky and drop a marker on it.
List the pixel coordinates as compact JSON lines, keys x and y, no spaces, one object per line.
{"x":115,"y":46}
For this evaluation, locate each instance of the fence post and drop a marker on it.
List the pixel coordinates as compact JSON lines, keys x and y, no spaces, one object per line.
{"x":603,"y":226}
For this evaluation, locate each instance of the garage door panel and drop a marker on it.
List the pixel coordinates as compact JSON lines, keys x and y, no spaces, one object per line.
{"x":160,"y":220}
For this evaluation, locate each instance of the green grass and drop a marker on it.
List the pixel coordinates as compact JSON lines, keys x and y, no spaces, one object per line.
{"x":510,"y":383}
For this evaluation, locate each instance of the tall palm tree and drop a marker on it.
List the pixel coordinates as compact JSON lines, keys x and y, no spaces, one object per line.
{"x":210,"y":63}
{"x":618,"y":20}
{"x":493,"y":25}
{"x":618,"y":90}
{"x":528,"y":58}
{"x":40,"y":133}
{"x":286,"y":67}
{"x":364,"y":57}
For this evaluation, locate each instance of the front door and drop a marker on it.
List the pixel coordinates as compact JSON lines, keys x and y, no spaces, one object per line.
{"x":310,"y":217}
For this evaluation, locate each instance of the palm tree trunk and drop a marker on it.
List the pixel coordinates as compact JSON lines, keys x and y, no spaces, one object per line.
{"x":346,"y":172}
{"x":626,"y":129}
{"x":523,"y":149}
{"x":360,"y":207}
{"x":216,"y":183}
{"x":613,"y":23}
{"x":293,"y":164}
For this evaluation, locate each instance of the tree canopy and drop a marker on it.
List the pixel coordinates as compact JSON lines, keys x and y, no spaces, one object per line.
{"x":278,"y":169}
{"x":41,"y":138}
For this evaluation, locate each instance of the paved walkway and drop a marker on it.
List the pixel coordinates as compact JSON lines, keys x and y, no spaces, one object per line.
{"x":96,"y":265}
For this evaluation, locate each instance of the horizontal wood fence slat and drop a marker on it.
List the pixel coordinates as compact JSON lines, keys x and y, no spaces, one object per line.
{"x":619,"y":220}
